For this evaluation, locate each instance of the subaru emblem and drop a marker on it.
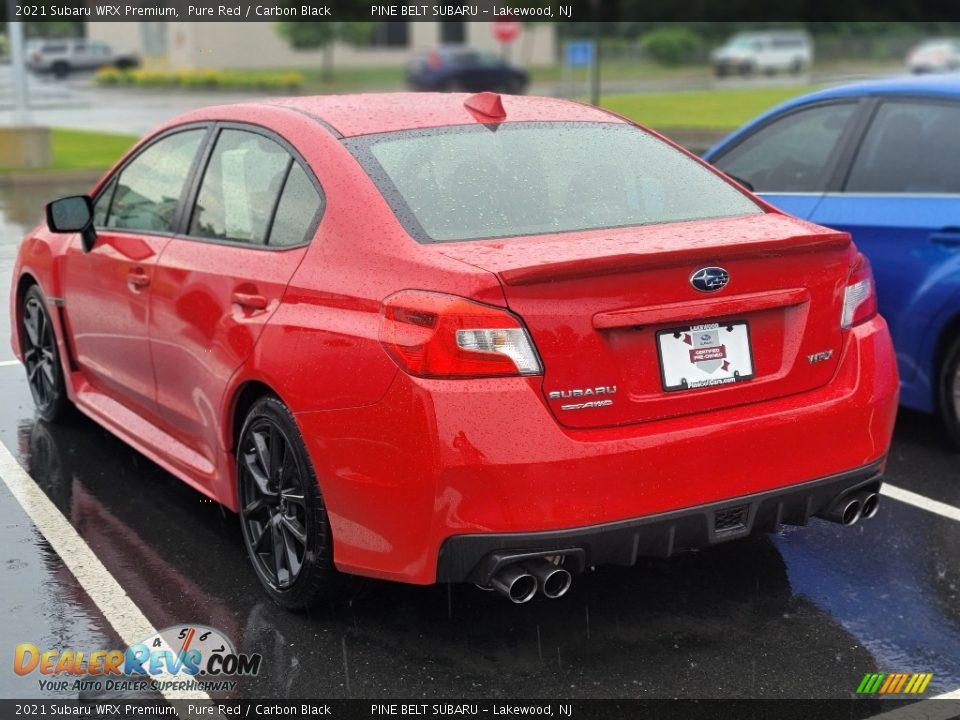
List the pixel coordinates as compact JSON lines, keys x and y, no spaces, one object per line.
{"x":709,"y":279}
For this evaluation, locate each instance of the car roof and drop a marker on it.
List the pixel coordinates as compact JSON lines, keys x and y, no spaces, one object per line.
{"x":365,"y":114}
{"x":945,"y":86}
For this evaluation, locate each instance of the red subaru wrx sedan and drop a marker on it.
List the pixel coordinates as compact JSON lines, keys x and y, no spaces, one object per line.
{"x":444,"y":338}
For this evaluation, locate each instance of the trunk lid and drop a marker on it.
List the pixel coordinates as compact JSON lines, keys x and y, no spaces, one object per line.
{"x":596,"y":303}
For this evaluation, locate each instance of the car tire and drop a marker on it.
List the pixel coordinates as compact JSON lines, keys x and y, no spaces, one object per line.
{"x":515,"y":86}
{"x":41,"y":357}
{"x":282,"y":514}
{"x":796,"y":67}
{"x":949,"y":393}
{"x":60,"y":69}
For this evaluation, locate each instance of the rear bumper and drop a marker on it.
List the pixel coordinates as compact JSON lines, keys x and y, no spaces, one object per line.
{"x":476,"y":558}
{"x":435,"y":461}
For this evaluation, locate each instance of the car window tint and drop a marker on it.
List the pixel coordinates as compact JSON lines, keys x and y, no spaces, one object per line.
{"x":149,"y":188}
{"x":911,"y":147}
{"x":790,"y":154}
{"x":297,"y":210}
{"x":240,"y":188}
{"x":468,"y":182}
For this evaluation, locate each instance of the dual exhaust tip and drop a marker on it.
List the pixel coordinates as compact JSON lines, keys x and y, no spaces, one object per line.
{"x":850,"y":509}
{"x":519,"y":582}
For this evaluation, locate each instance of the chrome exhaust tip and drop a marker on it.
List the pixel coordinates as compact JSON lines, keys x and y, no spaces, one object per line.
{"x":846,"y":511}
{"x":554,"y":581}
{"x":515,"y":584}
{"x":870,"y":503}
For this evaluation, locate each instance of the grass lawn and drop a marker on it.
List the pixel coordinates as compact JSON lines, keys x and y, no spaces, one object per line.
{"x":706,"y":109}
{"x":83,"y":150}
{"x":623,"y":70}
{"x":352,"y":79}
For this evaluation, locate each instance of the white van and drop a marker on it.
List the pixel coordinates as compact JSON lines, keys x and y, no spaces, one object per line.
{"x":768,"y":52}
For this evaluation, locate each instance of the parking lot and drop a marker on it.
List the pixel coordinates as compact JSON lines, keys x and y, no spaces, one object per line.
{"x":802,"y":614}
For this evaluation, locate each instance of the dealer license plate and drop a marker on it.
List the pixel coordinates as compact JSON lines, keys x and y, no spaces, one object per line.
{"x":704,"y":356}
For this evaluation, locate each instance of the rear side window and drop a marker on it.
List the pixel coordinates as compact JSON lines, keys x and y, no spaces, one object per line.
{"x":911,"y":147}
{"x":240,"y":187}
{"x":470,"y":182}
{"x":791,"y":153}
{"x":148,"y":189}
{"x":297,"y":212}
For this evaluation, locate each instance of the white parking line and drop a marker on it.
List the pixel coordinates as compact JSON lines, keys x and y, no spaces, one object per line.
{"x":120,"y":611}
{"x":920,"y":501}
{"x":9,"y":363}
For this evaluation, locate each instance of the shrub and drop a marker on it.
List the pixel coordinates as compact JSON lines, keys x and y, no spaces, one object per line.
{"x":202,"y":78}
{"x":671,"y":46}
{"x":108,"y":76}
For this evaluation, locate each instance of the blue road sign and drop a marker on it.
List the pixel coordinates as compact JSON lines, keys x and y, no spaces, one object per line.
{"x":579,"y":53}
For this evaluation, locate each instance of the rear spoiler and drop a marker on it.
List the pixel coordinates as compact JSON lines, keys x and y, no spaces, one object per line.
{"x":629,"y":262}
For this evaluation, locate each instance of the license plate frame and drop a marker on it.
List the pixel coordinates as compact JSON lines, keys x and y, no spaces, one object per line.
{"x":689,"y":357}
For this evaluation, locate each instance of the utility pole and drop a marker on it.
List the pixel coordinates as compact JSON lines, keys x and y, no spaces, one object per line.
{"x":21,"y":108}
{"x":595,"y":65}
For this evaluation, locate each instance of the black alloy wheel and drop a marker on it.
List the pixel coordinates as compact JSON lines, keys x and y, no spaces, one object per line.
{"x":284,"y":521}
{"x":41,"y":357}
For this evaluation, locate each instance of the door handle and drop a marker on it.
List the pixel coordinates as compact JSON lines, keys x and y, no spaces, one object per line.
{"x":250,"y":301}
{"x":138,"y":278}
{"x":948,"y":237}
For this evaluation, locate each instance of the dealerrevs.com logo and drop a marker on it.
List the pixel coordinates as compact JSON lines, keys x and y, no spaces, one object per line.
{"x":894,"y":683}
{"x":180,"y":657}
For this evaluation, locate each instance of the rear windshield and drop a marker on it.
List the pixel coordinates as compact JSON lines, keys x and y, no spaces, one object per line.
{"x":475,"y":181}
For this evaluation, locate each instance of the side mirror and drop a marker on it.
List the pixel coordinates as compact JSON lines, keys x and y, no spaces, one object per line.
{"x":73,"y":214}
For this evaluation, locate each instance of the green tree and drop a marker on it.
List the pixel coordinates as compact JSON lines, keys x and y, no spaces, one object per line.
{"x":322,"y":35}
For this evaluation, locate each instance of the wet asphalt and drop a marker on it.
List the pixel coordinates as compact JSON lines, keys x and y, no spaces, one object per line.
{"x":801,"y":614}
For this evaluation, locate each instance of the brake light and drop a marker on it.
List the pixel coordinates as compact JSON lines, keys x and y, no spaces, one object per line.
{"x":445,"y":336}
{"x":860,"y":295}
{"x":433,"y":59}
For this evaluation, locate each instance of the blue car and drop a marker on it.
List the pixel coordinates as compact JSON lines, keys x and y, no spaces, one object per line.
{"x":880,"y":160}
{"x":456,"y":69}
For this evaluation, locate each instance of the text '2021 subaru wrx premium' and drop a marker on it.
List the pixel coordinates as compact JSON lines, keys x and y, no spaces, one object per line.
{"x":450,"y":338}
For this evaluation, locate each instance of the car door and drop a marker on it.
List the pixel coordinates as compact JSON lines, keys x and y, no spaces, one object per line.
{"x":217,"y":284}
{"x":81,"y":59}
{"x":901,"y":202}
{"x":107,"y":290}
{"x":790,"y":158}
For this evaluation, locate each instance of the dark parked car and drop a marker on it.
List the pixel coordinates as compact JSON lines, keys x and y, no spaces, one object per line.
{"x":463,"y":70}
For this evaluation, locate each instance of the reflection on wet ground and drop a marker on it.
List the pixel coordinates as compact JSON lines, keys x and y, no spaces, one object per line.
{"x":802,"y":614}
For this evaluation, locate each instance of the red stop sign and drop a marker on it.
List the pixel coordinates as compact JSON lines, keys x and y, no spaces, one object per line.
{"x":506,"y":31}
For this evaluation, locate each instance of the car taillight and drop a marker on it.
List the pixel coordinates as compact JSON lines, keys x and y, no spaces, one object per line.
{"x":445,"y":336}
{"x":860,"y":296}
{"x":434,"y":61}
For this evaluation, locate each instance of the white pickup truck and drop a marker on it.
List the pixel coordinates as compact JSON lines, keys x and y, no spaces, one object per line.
{"x":61,"y":57}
